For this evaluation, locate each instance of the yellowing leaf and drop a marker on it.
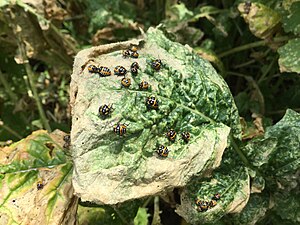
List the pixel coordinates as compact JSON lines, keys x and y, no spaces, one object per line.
{"x":262,"y":20}
{"x":35,"y":182}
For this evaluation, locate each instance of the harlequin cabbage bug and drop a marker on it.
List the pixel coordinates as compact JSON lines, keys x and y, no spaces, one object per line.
{"x":93,"y":69}
{"x":120,"y":71}
{"x":202,"y":205}
{"x":171,"y":135}
{"x":135,"y":64}
{"x":104,"y":71}
{"x":152,"y":103}
{"x":67,"y":139}
{"x":162,"y":151}
{"x":144,"y":85}
{"x":134,"y":67}
{"x":133,"y":48}
{"x":40,"y":185}
{"x":126,"y":82}
{"x":120,"y":129}
{"x":134,"y":70}
{"x":105,"y":110}
{"x":134,"y":54}
{"x":186,"y":136}
{"x":216,"y":197}
{"x":156,"y":64}
{"x":212,"y":203}
{"x":126,"y":53}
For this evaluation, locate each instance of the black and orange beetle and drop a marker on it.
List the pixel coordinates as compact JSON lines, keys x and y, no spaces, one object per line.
{"x":126,"y":82}
{"x":93,"y":69}
{"x":105,"y":110}
{"x":126,"y":53}
{"x":144,"y":85}
{"x":152,"y":103}
{"x":202,"y":205}
{"x":162,"y":151}
{"x":40,"y":185}
{"x":104,"y":71}
{"x":134,"y":54}
{"x":171,"y":135}
{"x":120,"y":129}
{"x":120,"y":71}
{"x":216,"y":197}
{"x":156,"y":64}
{"x":186,"y":136}
{"x":134,"y":67}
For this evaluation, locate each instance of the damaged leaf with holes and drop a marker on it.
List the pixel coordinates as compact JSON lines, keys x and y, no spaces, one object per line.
{"x":192,"y":97}
{"x":35,"y":182}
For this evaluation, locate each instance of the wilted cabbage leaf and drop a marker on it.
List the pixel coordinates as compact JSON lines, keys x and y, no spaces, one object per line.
{"x":191,"y":97}
{"x":35,"y":178}
{"x":289,"y":56}
{"x":263,"y":21}
{"x":233,"y":186}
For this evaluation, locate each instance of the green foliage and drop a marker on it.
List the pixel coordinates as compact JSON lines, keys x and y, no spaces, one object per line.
{"x":289,"y":56}
{"x":255,"y":47}
{"x":141,"y":217}
{"x":291,"y":203}
{"x":276,"y":154}
{"x":291,"y":18}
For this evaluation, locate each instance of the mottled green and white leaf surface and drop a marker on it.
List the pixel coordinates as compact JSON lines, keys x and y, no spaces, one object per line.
{"x":38,"y":158}
{"x":277,"y":153}
{"x":289,"y":56}
{"x":233,"y":186}
{"x":192,"y":97}
{"x":263,"y":21}
{"x":254,"y":211}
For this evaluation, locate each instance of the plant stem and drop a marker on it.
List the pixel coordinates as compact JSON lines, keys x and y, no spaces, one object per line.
{"x":30,"y":75}
{"x":7,"y":87}
{"x":239,"y":152}
{"x":36,"y":97}
{"x":121,"y":216}
{"x":10,"y":130}
{"x":156,"y":217}
{"x":260,"y":96}
{"x":251,"y":45}
{"x":267,"y":71}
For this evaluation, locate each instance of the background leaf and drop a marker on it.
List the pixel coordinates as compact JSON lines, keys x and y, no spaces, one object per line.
{"x":291,"y":18}
{"x":38,"y":159}
{"x":289,"y":56}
